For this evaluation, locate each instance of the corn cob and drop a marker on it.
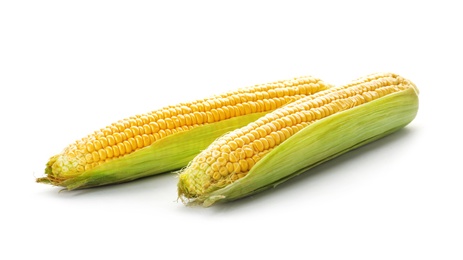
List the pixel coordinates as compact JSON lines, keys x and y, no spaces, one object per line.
{"x":168,"y":138}
{"x":297,"y":137}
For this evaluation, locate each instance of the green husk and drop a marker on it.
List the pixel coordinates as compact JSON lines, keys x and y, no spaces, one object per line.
{"x":320,"y":142}
{"x":168,"y":154}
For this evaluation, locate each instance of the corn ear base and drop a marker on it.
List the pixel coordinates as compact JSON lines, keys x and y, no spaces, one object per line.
{"x":320,"y":142}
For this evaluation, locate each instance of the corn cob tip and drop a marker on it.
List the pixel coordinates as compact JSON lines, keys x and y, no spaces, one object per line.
{"x":184,"y":186}
{"x":188,"y":194}
{"x":189,"y":190}
{"x":49,"y":177}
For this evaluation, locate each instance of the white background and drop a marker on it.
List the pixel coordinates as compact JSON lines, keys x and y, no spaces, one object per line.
{"x":68,"y":68}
